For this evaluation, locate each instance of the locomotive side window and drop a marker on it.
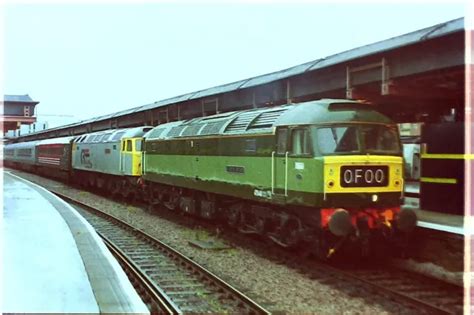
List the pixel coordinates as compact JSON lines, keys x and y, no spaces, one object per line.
{"x":300,"y":142}
{"x":282,"y":139}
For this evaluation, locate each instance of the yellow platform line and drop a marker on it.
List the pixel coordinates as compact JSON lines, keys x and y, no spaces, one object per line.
{"x":448,"y":156}
{"x":439,"y":180}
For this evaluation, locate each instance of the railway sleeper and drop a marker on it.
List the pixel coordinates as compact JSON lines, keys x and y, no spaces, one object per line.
{"x":182,"y":286}
{"x":189,"y":293}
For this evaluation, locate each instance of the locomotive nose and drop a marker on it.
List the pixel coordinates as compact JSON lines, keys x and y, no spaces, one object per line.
{"x":340,"y":223}
{"x":406,"y":220}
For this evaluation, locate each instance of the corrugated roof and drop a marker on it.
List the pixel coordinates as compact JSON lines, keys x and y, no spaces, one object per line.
{"x":19,"y":98}
{"x":392,"y":43}
{"x":385,"y":45}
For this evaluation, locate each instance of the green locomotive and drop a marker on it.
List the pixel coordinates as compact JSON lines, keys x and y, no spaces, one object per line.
{"x":321,"y":172}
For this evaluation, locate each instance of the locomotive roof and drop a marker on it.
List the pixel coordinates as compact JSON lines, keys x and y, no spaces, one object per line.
{"x":264,"y":120}
{"x":112,"y":135}
{"x":331,"y":111}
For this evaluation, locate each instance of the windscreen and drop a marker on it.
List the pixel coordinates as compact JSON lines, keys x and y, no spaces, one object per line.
{"x":356,"y":139}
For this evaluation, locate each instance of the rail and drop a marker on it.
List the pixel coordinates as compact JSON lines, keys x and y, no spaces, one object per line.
{"x":183,"y":284}
{"x":435,"y":296}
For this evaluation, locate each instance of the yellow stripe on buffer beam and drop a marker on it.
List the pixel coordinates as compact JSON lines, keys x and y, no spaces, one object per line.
{"x":438,"y":180}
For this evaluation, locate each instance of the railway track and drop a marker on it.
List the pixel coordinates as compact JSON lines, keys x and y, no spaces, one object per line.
{"x":434,"y":296}
{"x":421,"y":292}
{"x":424,"y":294}
{"x":196,"y":290}
{"x":154,"y":298}
{"x":168,"y":281}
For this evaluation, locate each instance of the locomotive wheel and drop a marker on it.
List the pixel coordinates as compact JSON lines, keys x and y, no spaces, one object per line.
{"x":321,"y":247}
{"x":289,"y":235}
{"x":153,"y":197}
{"x":234,"y":216}
{"x":114,"y":188}
{"x":108,"y":188}
{"x":260,"y":225}
{"x":173,"y":200}
{"x":365,"y":248}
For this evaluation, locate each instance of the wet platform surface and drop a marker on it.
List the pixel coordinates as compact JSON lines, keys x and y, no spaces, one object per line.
{"x":52,"y":259}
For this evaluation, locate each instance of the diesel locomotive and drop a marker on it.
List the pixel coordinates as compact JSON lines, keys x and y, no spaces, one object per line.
{"x":322,"y":174}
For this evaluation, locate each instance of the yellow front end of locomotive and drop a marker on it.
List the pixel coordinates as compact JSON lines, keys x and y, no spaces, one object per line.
{"x":363,"y":174}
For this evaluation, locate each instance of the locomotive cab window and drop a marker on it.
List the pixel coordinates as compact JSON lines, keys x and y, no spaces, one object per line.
{"x":138,"y":145}
{"x":338,"y":139}
{"x":300,"y":142}
{"x":129,"y":145}
{"x":379,"y":139}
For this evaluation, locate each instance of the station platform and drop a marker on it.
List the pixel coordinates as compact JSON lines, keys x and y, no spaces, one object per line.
{"x":53,"y":261}
{"x":446,"y":222}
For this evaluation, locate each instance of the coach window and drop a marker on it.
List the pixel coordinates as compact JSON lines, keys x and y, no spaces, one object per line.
{"x":300,"y":142}
{"x":282,"y":139}
{"x":129,"y":145}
